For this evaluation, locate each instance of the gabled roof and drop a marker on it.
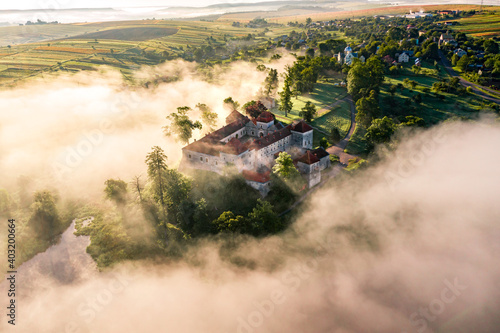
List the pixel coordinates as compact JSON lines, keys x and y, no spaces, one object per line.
{"x":235,"y":116}
{"x":227,"y":130}
{"x":301,"y":127}
{"x":308,"y":158}
{"x":265,"y":117}
{"x":256,"y":177}
{"x":234,"y":147}
{"x":320,"y":152}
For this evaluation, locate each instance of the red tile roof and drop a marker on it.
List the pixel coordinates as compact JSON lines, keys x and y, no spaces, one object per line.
{"x":308,"y":158}
{"x":256,"y":177}
{"x":301,"y":127}
{"x":234,"y":147}
{"x":265,"y":117}
{"x":320,"y":152}
{"x":234,"y":116}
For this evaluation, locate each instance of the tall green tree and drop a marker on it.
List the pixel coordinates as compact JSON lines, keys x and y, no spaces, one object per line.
{"x":44,"y":219}
{"x":116,"y":190}
{"x":380,"y":130}
{"x":284,"y":166}
{"x":263,"y":219}
{"x":231,"y":104}
{"x":365,"y":77}
{"x":271,"y":82}
{"x":180,"y":125}
{"x":208,"y":118}
{"x":367,"y":109}
{"x":286,"y":97}
{"x":229,"y":222}
{"x":308,"y":112}
{"x":156,"y":161}
{"x":335,"y":136}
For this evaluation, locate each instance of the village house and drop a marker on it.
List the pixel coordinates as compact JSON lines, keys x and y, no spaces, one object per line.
{"x":447,"y":38}
{"x":251,"y":146}
{"x":347,"y":57}
{"x":459,"y":52}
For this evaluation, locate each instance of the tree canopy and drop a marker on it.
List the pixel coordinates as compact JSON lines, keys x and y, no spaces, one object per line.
{"x":180,"y":125}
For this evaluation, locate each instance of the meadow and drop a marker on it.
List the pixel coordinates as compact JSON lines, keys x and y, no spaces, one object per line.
{"x":485,"y":24}
{"x":124,"y":45}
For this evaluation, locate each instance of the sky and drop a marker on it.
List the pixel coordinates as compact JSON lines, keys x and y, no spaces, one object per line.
{"x":63,"y":4}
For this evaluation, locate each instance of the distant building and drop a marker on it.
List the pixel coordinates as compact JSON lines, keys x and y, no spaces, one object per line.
{"x":347,"y":57}
{"x":417,"y":15}
{"x":404,"y":57}
{"x":460,"y":52}
{"x":447,"y":38}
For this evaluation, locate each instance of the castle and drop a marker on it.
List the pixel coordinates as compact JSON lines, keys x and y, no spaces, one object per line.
{"x":251,"y":146}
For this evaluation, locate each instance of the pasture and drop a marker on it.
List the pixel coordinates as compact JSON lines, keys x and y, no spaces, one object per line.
{"x":486,"y":24}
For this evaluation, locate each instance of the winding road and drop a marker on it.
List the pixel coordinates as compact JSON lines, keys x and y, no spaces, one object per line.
{"x":475,"y":87}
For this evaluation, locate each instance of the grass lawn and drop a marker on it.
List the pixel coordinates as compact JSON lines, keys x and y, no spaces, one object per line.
{"x":432,"y":109}
{"x":357,"y":145}
{"x":486,"y":24}
{"x":324,"y":94}
{"x":339,"y":116}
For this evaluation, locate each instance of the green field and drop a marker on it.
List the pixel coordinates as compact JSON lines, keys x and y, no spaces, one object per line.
{"x":357,"y":145}
{"x":125,"y":45}
{"x":324,"y":94}
{"x":339,"y":116}
{"x":486,"y":24}
{"x":432,"y":109}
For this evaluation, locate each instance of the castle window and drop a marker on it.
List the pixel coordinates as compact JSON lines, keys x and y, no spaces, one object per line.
{"x":201,"y":159}
{"x":216,"y":163}
{"x":236,"y":136}
{"x":189,"y":155}
{"x":207,"y":159}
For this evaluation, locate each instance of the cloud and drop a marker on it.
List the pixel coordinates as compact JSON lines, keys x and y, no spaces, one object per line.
{"x":74,"y":132}
{"x":409,"y":245}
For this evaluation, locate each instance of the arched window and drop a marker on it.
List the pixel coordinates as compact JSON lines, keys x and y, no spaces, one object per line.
{"x":206,"y":159}
{"x":201,"y":159}
{"x":189,"y":155}
{"x":236,"y":136}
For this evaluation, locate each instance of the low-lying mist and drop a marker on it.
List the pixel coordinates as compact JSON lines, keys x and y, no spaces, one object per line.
{"x":410,"y":244}
{"x":71,"y":133}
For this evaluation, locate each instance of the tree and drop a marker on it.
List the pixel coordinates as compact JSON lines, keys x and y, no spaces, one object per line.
{"x":263,"y":219}
{"x":254,"y":109}
{"x":368,"y":109}
{"x":308,"y":21}
{"x":208,"y":117}
{"x":454,"y":59}
{"x":228,"y":222}
{"x":380,"y":130}
{"x":416,"y":69}
{"x":310,"y":52}
{"x":308,"y":111}
{"x":396,"y":33}
{"x":365,"y":77}
{"x":116,"y":190}
{"x":284,"y":166}
{"x":231,"y":104}
{"x":413,"y":121}
{"x":180,"y":125}
{"x":137,"y":186}
{"x":286,"y":97}
{"x":490,"y":46}
{"x":323,"y":142}
{"x":431,"y":51}
{"x":335,"y":135}
{"x":463,"y":62}
{"x":156,"y":161}
{"x":413,"y":83}
{"x":44,"y":219}
{"x":271,"y":82}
